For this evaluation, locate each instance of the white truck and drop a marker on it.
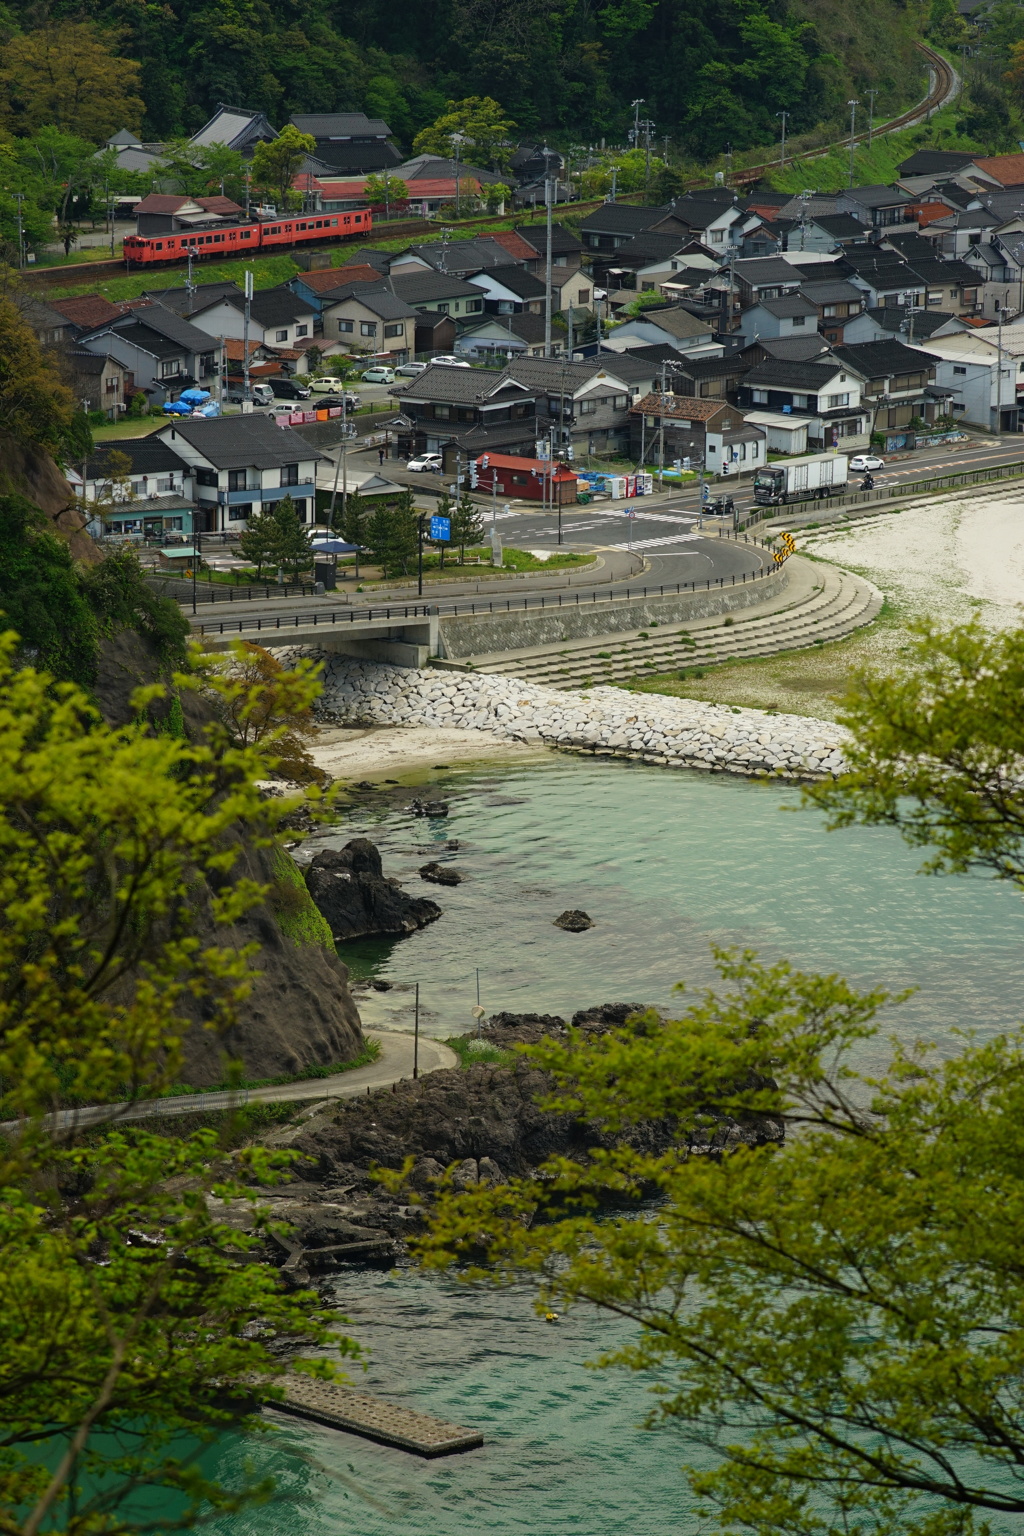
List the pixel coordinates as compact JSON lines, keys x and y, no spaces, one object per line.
{"x":811,"y":476}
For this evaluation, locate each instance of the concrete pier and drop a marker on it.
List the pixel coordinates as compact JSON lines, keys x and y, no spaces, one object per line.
{"x":360,"y":1414}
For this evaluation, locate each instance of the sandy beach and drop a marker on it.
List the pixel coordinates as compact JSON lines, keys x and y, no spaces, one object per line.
{"x":384,"y":751}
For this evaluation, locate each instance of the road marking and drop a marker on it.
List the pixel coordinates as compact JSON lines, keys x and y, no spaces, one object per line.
{"x":672,"y":538}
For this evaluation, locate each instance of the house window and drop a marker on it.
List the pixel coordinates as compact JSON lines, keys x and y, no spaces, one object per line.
{"x":240,"y":513}
{"x":717,"y":236}
{"x":236,"y":479}
{"x":209,"y":476}
{"x":560,"y":261}
{"x":367,"y":327}
{"x":302,"y":330}
{"x":620,"y":402}
{"x":394,"y":330}
{"x":588,"y":407}
{"x":759,"y":396}
{"x":442,"y":412}
{"x":961,"y":370}
{"x":345,"y":327}
{"x":834,"y":401}
{"x":799,"y":319}
{"x":289,"y":474}
{"x":583,"y":297}
{"x":169,"y":369}
{"x":442,"y":309}
{"x":280,"y":335}
{"x":830,"y":310}
{"x":111,"y":386}
{"x":473,"y":306}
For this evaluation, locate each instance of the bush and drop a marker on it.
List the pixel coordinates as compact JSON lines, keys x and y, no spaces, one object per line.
{"x":41,"y":595}
{"x":121,"y":598}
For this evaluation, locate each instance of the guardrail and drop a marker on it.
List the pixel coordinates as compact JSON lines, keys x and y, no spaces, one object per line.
{"x":318,"y":618}
{"x":950,"y":482}
{"x":181,"y":589}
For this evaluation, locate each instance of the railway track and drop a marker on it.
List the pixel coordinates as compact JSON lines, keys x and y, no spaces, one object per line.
{"x":942,"y":86}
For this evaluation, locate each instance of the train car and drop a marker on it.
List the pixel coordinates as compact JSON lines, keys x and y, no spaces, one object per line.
{"x":232,"y":240}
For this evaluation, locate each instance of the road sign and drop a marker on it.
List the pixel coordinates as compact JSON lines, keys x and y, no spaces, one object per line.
{"x":440,"y":529}
{"x":630,"y":513}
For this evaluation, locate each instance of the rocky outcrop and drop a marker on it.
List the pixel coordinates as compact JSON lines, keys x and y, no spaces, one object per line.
{"x":440,"y":874}
{"x":349,"y":887}
{"x":574,"y":921}
{"x":30,"y":472}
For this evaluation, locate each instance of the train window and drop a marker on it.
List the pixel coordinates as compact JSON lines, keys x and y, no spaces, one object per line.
{"x":246,"y":234}
{"x":348,"y":218}
{"x":159,"y":245}
{"x":359,"y":218}
{"x":334,"y":223}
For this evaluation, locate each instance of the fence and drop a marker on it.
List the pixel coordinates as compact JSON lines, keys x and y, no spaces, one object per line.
{"x":949,"y":482}
{"x":368,"y":615}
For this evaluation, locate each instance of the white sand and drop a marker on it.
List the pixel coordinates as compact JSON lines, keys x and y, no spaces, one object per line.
{"x":943,"y":559}
{"x":382,"y":752}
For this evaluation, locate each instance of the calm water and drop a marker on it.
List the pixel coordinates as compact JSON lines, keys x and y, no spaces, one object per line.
{"x":664,"y":862}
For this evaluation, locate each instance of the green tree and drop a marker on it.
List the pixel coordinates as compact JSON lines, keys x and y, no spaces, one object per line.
{"x":276,"y":165}
{"x":385,"y":188}
{"x":116,"y":1340}
{"x":67,"y":75}
{"x":35,"y":407}
{"x":258,"y":544}
{"x":292,"y":549}
{"x":201,"y":170}
{"x":41,"y":594}
{"x":467,"y":524}
{"x":58,"y":168}
{"x":495,"y":194}
{"x":480,"y":121}
{"x":392,"y":535}
{"x":836,"y":1324}
{"x":353,"y":526}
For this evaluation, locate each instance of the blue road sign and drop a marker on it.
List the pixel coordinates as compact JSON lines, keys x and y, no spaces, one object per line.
{"x":440,"y":528}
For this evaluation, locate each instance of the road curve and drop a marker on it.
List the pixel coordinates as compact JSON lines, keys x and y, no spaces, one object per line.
{"x":395,"y":1062}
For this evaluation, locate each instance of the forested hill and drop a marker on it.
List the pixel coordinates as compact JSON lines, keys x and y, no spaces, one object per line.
{"x":710,"y":71}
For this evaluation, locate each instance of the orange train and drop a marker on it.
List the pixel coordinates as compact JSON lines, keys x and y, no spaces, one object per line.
{"x":226,"y":240}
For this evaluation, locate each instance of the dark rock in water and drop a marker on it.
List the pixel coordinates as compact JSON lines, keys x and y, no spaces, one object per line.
{"x":505,"y":1029}
{"x":365,"y":784}
{"x":452,"y":844}
{"x":349,"y":887}
{"x":381,"y":986}
{"x":440,"y":874}
{"x":574,"y":921}
{"x":606,"y":1015}
{"x":429,"y":808}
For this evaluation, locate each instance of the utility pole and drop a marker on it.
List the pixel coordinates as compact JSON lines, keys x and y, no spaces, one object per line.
{"x":248,"y":179}
{"x":999,"y":367}
{"x":547,"y":264}
{"x":110,"y":214}
{"x":190,"y":286}
{"x":246,"y":390}
{"x":636,"y":105}
{"x":458,"y":140}
{"x":615,"y":172}
{"x":782,"y":156}
{"x":853,"y":105}
{"x":20,"y":197}
{"x":728,"y":163}
{"x":871,"y":113}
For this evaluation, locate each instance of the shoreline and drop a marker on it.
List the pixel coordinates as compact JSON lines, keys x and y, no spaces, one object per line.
{"x":374,"y":751}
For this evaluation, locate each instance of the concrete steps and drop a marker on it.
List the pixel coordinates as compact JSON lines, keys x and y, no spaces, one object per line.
{"x":826,"y":604}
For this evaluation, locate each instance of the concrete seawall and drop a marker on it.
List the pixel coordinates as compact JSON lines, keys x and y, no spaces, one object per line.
{"x":486,"y":634}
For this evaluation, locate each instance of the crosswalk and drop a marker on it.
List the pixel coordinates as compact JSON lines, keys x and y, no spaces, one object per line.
{"x":672,"y":538}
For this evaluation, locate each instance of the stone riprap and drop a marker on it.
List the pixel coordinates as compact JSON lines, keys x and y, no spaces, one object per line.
{"x":677,"y":733}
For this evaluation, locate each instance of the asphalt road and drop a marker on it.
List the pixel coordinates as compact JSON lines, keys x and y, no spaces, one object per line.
{"x":395,"y":1062}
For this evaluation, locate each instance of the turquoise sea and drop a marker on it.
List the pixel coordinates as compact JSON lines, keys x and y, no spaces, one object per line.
{"x":665,"y":863}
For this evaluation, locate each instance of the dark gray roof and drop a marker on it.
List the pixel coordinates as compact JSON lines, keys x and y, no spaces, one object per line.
{"x":932,"y":162}
{"x":148,"y":455}
{"x":835,"y":291}
{"x":341,"y":125}
{"x":550,"y":374}
{"x":651,"y":245}
{"x":518,"y":281}
{"x":893,"y":318}
{"x":425,"y":287}
{"x":789,"y":306}
{"x":161,"y":322}
{"x":366,"y":256}
{"x":971,"y":218}
{"x":184,"y":303}
{"x":458,"y":386}
{"x":149,"y":340}
{"x":241,"y":442}
{"x":659,"y":352}
{"x":875,"y":359}
{"x":802,"y":377}
{"x":938,"y":271}
{"x":622,"y":219}
{"x":794,"y":349}
{"x":841,"y":226}
{"x":563,"y":241}
{"x":876,"y":196}
{"x":91,"y":362}
{"x":272,"y":306}
{"x":762,"y":271}
{"x":379,"y":301}
{"x":912,"y":246}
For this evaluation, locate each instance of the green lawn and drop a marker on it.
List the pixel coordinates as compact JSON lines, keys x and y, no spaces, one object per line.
{"x":128,"y":428}
{"x":268,"y":272}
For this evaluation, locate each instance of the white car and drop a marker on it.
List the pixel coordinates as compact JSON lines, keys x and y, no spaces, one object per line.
{"x":379,"y":376}
{"x":867,"y":461}
{"x":410,"y":370}
{"x":449,"y":360}
{"x":330,"y":383}
{"x":430,"y":462}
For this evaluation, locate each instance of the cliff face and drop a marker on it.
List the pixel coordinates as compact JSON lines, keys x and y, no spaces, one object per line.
{"x":29,"y":472}
{"x":300,"y":1012}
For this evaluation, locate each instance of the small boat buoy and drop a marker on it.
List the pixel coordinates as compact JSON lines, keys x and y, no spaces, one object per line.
{"x":551,"y":1317}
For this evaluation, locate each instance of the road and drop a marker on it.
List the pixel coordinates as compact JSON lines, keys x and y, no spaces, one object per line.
{"x":394,"y":1063}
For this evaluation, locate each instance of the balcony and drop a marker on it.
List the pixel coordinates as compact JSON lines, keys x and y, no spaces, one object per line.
{"x":266,"y":493}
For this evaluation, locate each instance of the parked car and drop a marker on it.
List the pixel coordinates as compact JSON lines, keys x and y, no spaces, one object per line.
{"x":327,"y":381}
{"x":288,"y":389}
{"x":867,"y":461}
{"x":430,"y":462}
{"x":328,"y":401}
{"x":379,"y":376}
{"x":410,"y":370}
{"x":449,"y":360}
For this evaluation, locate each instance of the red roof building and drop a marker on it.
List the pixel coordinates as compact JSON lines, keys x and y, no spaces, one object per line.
{"x":527,"y":479}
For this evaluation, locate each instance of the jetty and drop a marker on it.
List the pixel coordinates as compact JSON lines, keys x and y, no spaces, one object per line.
{"x":360,"y":1414}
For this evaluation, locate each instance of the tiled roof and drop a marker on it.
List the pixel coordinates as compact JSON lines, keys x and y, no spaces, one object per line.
{"x":515,"y":280}
{"x":789,"y":306}
{"x":563,"y":241}
{"x":387,"y":306}
{"x":238,"y":442}
{"x":424,"y":287}
{"x":841,"y":226}
{"x":760,"y":271}
{"x":932,"y":162}
{"x":794,"y":349}
{"x":831,"y":292}
{"x":162,"y":202}
{"x":681,"y":407}
{"x":877,"y":358}
{"x":675,"y":321}
{"x":342,"y":125}
{"x":459,"y":386}
{"x":272,"y":306}
{"x":148,"y":455}
{"x":89,"y":310}
{"x":516,"y":246}
{"x":164,"y":322}
{"x":622,"y":219}
{"x":876,"y":196}
{"x":893,"y":318}
{"x":185,"y":304}
{"x":338,"y":277}
{"x":937,"y":271}
{"x":1008,"y":170}
{"x":784,"y":374}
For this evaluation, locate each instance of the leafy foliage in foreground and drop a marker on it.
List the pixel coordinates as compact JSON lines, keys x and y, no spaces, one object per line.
{"x":134,"y":1321}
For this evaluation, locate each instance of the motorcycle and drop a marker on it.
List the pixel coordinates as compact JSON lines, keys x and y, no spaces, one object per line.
{"x":868,"y":483}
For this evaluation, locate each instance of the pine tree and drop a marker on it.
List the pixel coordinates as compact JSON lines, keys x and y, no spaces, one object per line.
{"x":467,"y":524}
{"x":354,"y":523}
{"x":405,"y":533}
{"x":292,"y":550}
{"x":258,"y":543}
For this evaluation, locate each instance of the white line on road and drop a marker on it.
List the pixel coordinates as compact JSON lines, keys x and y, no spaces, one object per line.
{"x":672,"y":538}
